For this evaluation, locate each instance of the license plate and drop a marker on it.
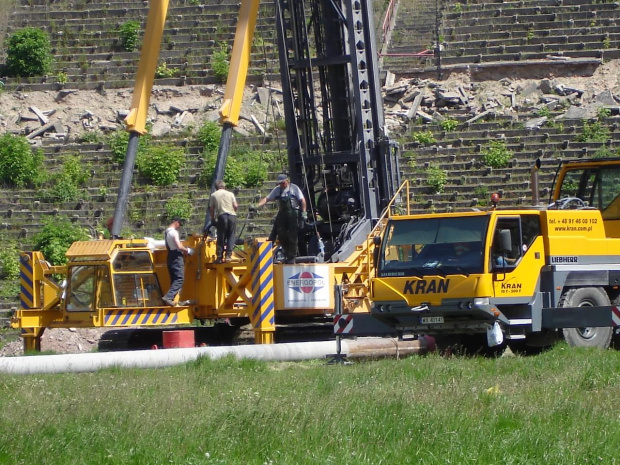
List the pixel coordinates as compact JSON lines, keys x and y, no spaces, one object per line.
{"x":429,"y":320}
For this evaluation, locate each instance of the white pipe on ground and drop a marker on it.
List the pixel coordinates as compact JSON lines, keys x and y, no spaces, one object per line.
{"x":75,"y":363}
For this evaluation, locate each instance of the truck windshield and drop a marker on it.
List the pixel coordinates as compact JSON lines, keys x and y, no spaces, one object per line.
{"x":433,"y":246}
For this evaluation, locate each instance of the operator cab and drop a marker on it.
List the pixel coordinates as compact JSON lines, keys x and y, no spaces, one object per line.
{"x":110,"y":277}
{"x":592,"y":184}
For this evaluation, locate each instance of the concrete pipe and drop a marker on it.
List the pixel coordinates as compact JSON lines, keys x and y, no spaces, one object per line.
{"x":75,"y":363}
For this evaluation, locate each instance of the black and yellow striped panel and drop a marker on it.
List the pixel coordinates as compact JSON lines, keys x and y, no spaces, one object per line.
{"x":26,"y":293}
{"x":140,"y":316}
{"x":263,"y":307}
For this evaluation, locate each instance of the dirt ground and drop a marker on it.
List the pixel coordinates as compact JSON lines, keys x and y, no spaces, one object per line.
{"x":60,"y":341}
{"x":84,"y":111}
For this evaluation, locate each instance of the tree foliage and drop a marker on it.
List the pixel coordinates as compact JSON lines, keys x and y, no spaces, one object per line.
{"x":209,"y":137}
{"x":179,"y":206}
{"x":129,"y":35}
{"x":19,"y":165}
{"x":161,"y":164}
{"x":56,"y":237}
{"x":66,"y":184}
{"x":220,"y":62}
{"x":28,"y":53}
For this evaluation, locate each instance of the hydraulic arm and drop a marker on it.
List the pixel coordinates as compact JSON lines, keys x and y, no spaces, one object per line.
{"x":136,"y":119}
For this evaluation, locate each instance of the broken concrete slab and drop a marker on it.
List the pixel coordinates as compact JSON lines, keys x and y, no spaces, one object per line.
{"x":546,"y":86}
{"x":39,"y":114}
{"x":257,"y":125}
{"x":480,"y":115}
{"x":530,"y":89}
{"x":56,"y":126}
{"x":535,"y":123}
{"x":411,"y":95}
{"x":263,"y":94}
{"x":606,"y":98}
{"x":159,"y":111}
{"x":160,"y":129}
{"x":178,"y":120}
{"x":414,"y":106}
{"x":424,"y":116}
{"x":62,"y":93}
{"x":574,"y":113}
{"x":566,"y":90}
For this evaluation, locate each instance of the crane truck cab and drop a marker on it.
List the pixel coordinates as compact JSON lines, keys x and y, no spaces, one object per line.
{"x":521,"y":276}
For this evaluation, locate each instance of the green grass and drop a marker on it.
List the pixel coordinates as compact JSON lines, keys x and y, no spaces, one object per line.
{"x":558,"y":407}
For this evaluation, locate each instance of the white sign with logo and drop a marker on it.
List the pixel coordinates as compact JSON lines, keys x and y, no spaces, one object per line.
{"x":307,"y":286}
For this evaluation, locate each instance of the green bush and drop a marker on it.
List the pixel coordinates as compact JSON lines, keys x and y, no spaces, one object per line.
{"x":28,"y":53}
{"x":56,"y":237}
{"x":593,"y":132}
{"x":256,"y":173}
{"x":424,"y":137}
{"x":9,"y":259}
{"x":603,"y":113}
{"x":436,"y":178}
{"x":209,"y":137}
{"x":63,"y":190}
{"x":118,"y":141}
{"x":220,"y":62}
{"x":66,"y":184}
{"x":449,"y":124}
{"x":234,"y":172}
{"x":163,"y":71}
{"x":128,"y":32}
{"x":61,"y":77}
{"x":496,"y":154}
{"x":19,"y":165}
{"x":9,"y":268}
{"x":180,"y":206}
{"x":91,"y":137}
{"x":161,"y":164}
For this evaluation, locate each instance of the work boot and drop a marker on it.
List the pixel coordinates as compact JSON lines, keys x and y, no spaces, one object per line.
{"x":219,"y":260}
{"x":170,"y":303}
{"x":228,"y":257}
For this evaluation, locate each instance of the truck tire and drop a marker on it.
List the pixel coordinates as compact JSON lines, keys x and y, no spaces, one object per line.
{"x":590,"y":336}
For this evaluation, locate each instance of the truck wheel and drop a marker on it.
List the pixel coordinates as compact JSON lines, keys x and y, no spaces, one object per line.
{"x":590,"y":336}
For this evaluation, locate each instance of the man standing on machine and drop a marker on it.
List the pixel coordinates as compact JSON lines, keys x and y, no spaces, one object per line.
{"x":175,"y":260}
{"x":223,"y":208}
{"x":291,"y":204}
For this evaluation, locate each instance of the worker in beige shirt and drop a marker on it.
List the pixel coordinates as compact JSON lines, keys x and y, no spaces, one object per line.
{"x":223,"y":208}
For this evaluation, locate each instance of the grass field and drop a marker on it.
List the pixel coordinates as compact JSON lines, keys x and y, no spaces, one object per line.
{"x":558,"y":407}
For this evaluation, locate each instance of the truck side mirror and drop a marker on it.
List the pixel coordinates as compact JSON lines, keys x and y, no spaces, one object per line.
{"x":376,"y":240}
{"x":504,"y":241}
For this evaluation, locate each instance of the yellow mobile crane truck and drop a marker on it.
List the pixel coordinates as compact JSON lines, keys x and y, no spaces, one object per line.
{"x":481,"y":279}
{"x":338,"y":154}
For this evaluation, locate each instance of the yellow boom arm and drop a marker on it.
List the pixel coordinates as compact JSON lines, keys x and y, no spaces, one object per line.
{"x":239,"y":62}
{"x":136,"y":119}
